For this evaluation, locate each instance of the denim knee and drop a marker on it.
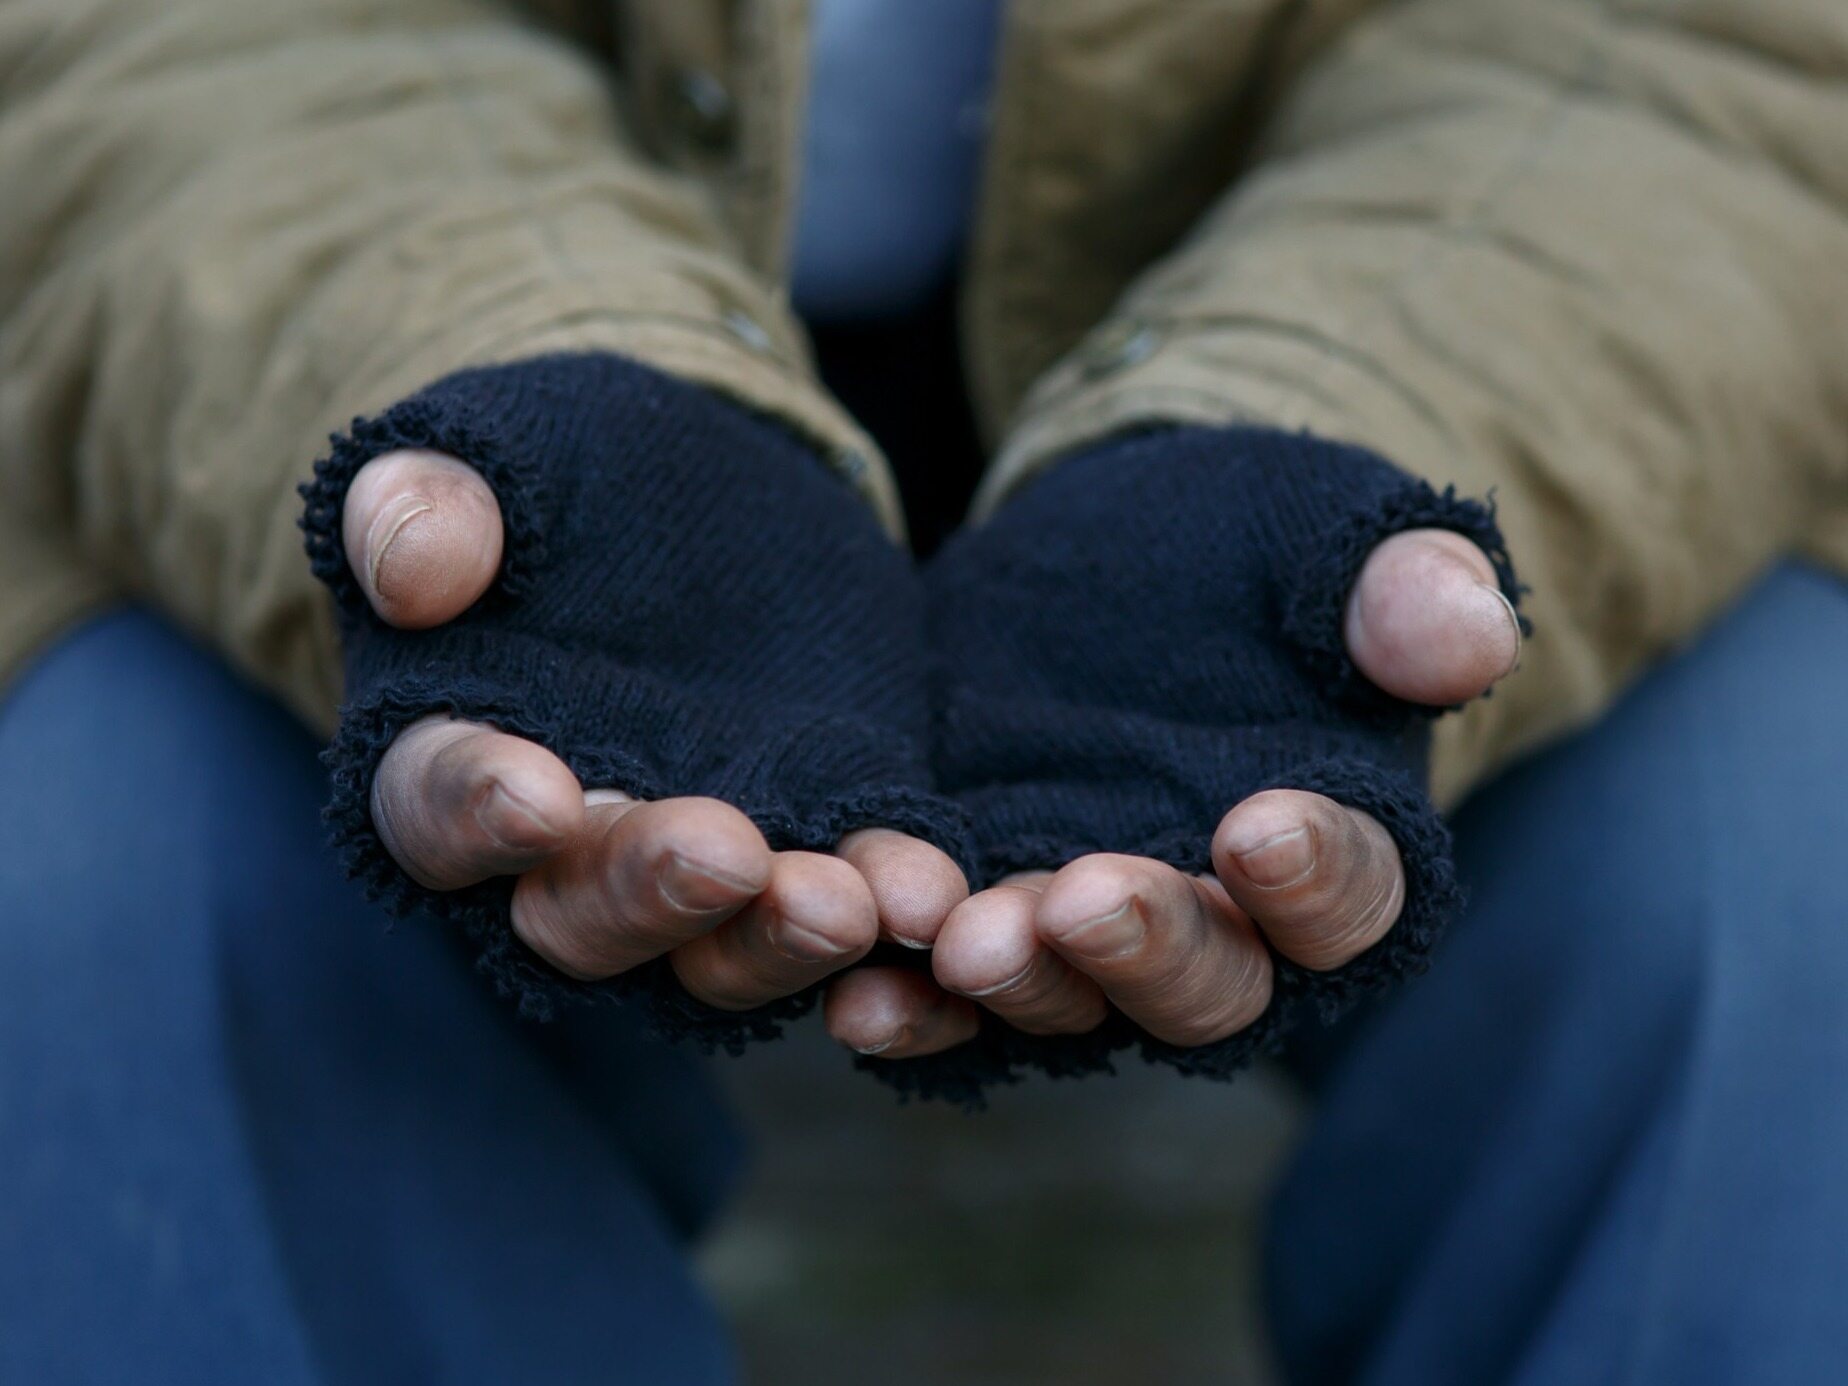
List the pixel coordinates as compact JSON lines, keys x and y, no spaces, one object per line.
{"x":1709,"y":800}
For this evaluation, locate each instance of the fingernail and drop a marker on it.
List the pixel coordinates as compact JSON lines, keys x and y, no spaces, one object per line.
{"x":883,"y":1044}
{"x":1108,"y":935}
{"x":385,"y":529}
{"x":694,"y":888}
{"x":1514,"y":624}
{"x":1277,"y":861}
{"x":498,"y":805}
{"x":803,"y":945}
{"x":1000,"y":987}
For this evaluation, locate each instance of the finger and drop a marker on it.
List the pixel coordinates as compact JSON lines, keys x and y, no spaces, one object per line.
{"x":1169,"y":950}
{"x":896,"y":1013}
{"x":457,"y":802}
{"x":1035,"y":881}
{"x":989,"y":951}
{"x":815,"y":917}
{"x":1323,"y":881}
{"x":423,"y":536}
{"x":643,"y":880}
{"x":914,"y":884}
{"x":1427,"y":620}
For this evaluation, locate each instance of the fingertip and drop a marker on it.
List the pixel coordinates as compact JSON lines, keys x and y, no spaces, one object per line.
{"x":1428,"y":622}
{"x":706,"y":853}
{"x":456,"y":802}
{"x":895,"y":1014}
{"x":533,"y":806}
{"x":1323,"y":882}
{"x":423,"y":536}
{"x":914,"y":884}
{"x":986,"y":942}
{"x":825,"y":909}
{"x":814,"y":918}
{"x":1166,"y":950}
{"x":1269,"y":841}
{"x":1100,"y":902}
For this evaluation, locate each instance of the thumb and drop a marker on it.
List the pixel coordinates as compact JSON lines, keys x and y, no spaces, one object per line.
{"x":423,"y":536}
{"x":1427,"y":620}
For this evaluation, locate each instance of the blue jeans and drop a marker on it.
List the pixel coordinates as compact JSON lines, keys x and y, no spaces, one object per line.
{"x":1605,"y":1139}
{"x":248,"y":1135}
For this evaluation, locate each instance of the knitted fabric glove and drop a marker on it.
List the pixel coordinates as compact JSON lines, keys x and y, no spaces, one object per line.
{"x":690,"y":603}
{"x":1147,"y":635}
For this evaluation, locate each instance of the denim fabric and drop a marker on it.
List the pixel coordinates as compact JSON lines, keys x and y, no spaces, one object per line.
{"x":1603,"y":1140}
{"x":249,"y":1135}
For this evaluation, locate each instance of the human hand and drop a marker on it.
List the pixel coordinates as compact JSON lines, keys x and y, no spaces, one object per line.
{"x":1184,"y":955}
{"x":605,"y":880}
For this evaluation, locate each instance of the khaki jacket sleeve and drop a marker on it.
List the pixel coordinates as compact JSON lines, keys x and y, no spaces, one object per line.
{"x":1589,"y":257}
{"x":228,"y":226}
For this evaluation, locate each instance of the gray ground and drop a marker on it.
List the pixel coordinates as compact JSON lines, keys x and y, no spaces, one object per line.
{"x":1077,"y":1233}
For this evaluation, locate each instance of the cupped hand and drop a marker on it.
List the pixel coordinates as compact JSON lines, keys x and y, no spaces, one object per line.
{"x":606,"y":882}
{"x":1186,"y":957}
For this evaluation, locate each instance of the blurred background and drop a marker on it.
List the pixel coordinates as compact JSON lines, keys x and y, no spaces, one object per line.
{"x":1073,"y":1233}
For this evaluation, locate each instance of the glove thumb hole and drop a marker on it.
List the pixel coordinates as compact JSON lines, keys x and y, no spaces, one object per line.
{"x":423,"y":536}
{"x":1427,"y":621}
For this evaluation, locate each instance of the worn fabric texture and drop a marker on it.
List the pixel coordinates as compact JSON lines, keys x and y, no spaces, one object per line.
{"x":1150,"y":634}
{"x":690,"y":604}
{"x":1587,"y":254}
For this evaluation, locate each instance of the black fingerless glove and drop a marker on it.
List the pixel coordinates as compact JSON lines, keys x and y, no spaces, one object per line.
{"x":1147,"y":635}
{"x":690,"y":603}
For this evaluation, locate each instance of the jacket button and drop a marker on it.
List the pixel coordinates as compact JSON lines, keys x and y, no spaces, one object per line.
{"x":1118,"y":346}
{"x":702,"y":110}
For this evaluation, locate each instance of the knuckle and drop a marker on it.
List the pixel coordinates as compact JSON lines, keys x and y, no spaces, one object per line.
{"x":1217,"y":1021}
{"x":551,"y":933}
{"x":1366,"y":922}
{"x":1250,"y":999}
{"x":1327,"y":942}
{"x":1222,"y":1001}
{"x":1356,"y":907}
